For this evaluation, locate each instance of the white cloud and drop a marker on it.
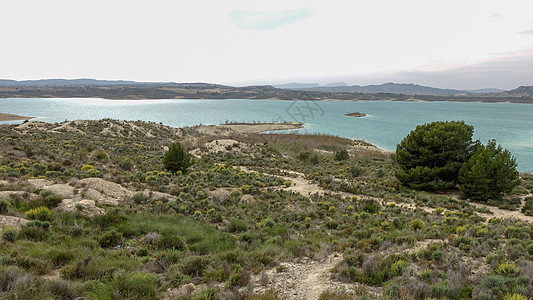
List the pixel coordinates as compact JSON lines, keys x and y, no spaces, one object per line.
{"x":196,"y":41}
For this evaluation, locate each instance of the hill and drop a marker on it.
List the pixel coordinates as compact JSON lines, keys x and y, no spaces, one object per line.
{"x":66,"y":82}
{"x":91,"y":213}
{"x":88,"y":88}
{"x":391,"y":88}
{"x":522,"y":91}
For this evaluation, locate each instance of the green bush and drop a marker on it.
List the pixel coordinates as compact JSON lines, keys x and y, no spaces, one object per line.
{"x":177,"y":158}
{"x":194,"y":265}
{"x":45,"y":193}
{"x":40,"y":213}
{"x":136,"y":285}
{"x":4,"y":206}
{"x":32,"y":264}
{"x":507,"y":269}
{"x":63,"y":289}
{"x":9,"y":234}
{"x":431,"y":155}
{"x":110,"y":239}
{"x":515,"y":297}
{"x":100,"y":155}
{"x":237,"y":225}
{"x":356,"y":171}
{"x":489,"y":173}
{"x":341,"y":155}
{"x":52,"y":201}
{"x":399,"y":267}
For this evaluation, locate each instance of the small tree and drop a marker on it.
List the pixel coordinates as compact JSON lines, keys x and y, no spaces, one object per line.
{"x":342,"y":155}
{"x":489,"y":173}
{"x":431,"y":155}
{"x":177,"y":158}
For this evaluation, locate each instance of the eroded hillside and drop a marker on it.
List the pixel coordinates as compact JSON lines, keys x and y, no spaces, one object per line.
{"x":89,"y":211}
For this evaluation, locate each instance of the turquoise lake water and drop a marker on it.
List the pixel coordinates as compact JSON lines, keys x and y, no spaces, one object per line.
{"x":386,"y":123}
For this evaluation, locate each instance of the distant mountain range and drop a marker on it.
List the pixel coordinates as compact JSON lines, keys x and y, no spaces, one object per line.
{"x":387,"y":88}
{"x":87,"y":88}
{"x":523,"y":91}
{"x":68,"y":82}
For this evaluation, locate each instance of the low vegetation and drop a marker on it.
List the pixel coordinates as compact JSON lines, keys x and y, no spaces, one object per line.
{"x":224,"y":226}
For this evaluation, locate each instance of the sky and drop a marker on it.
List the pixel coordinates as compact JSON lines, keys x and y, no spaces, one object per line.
{"x":462,"y":44}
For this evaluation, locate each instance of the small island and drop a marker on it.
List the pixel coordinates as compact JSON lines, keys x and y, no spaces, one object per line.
{"x":356,"y":115}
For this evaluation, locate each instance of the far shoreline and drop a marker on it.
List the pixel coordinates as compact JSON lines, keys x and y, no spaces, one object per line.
{"x":12,"y":117}
{"x":506,"y":100}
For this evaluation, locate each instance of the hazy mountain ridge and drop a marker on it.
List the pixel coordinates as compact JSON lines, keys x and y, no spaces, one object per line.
{"x":90,"y":88}
{"x":69,"y":82}
{"x":390,"y":87}
{"x":522,"y":91}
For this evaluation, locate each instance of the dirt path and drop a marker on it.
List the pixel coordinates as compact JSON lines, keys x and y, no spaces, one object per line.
{"x":306,"y":279}
{"x":502,"y":213}
{"x":305,"y":187}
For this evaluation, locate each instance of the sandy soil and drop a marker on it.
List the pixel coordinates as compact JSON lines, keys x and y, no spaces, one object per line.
{"x":228,"y":129}
{"x":306,"y":279}
{"x":10,"y":117}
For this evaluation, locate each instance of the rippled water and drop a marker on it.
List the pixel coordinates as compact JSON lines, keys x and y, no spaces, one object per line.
{"x":385,"y":125}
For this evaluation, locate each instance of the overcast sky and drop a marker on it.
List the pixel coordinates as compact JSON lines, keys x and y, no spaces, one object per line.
{"x":462,"y":44}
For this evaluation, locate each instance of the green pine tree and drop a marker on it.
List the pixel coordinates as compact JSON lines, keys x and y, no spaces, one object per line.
{"x":489,"y":173}
{"x":177,"y":159}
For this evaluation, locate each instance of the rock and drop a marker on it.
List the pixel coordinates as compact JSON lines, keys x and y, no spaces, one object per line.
{"x":184,"y":290}
{"x":10,"y":221}
{"x":39,"y":183}
{"x":158,"y":195}
{"x":107,"y":188}
{"x":11,"y":195}
{"x":88,"y":207}
{"x":61,"y":189}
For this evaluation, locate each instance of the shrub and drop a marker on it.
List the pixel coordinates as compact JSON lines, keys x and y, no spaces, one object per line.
{"x":101,"y":154}
{"x":431,"y":155}
{"x":40,"y":213}
{"x":136,"y":285}
{"x":416,"y":224}
{"x":341,"y":155}
{"x":304,"y":156}
{"x":314,"y":159}
{"x":63,"y":289}
{"x":337,"y":295}
{"x":45,"y":193}
{"x":13,"y":277}
{"x":515,"y":297}
{"x":139,"y":198}
{"x":4,"y":206}
{"x":489,"y":173}
{"x":237,"y":225}
{"x":52,"y":200}
{"x":9,"y":234}
{"x":171,"y":241}
{"x":399,"y":267}
{"x":507,"y":269}
{"x":35,"y":265}
{"x":110,"y":239}
{"x":177,"y":158}
{"x":239,"y":278}
{"x":356,"y":171}
{"x":194,"y":265}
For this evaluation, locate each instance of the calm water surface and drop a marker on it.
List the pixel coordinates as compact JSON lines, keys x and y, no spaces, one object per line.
{"x":385,"y":125}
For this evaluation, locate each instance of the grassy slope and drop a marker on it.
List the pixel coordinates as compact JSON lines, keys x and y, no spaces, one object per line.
{"x":229,"y":225}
